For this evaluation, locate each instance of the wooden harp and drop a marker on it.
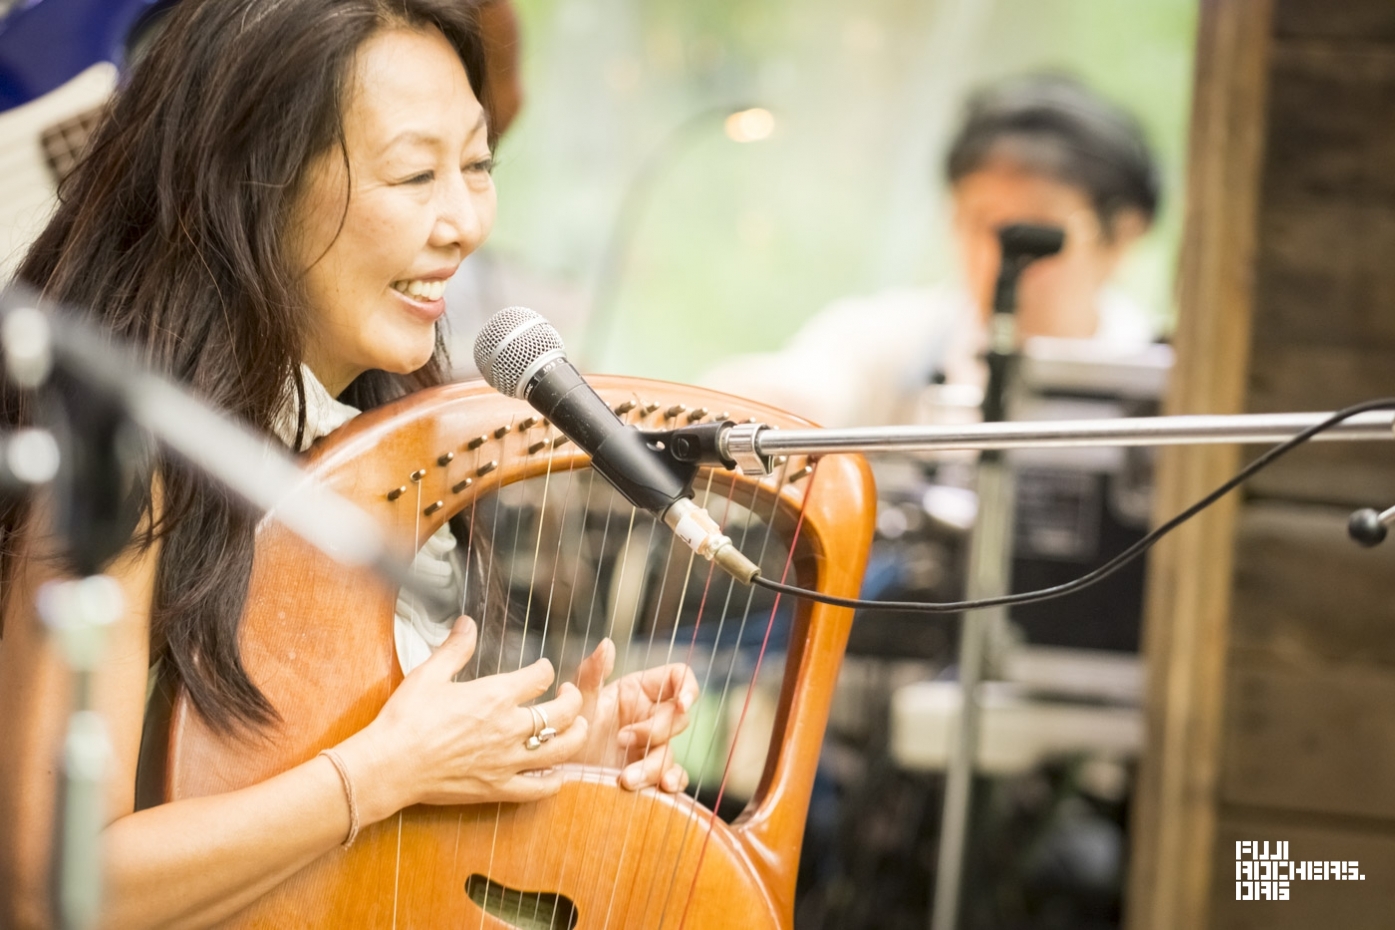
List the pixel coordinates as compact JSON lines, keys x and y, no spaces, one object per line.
{"x":318,"y":640}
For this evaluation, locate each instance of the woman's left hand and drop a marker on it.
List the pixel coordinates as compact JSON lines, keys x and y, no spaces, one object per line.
{"x":634,"y":718}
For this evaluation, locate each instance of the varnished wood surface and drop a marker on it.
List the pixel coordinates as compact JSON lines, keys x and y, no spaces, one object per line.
{"x":1324,"y":333}
{"x":1309,"y":749}
{"x":1306,"y":596}
{"x":1303,"y":739}
{"x":1296,"y":672}
{"x":1362,"y":20}
{"x":1187,"y":606}
{"x":318,"y":639}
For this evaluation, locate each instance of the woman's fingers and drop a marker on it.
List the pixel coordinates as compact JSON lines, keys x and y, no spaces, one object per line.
{"x":664,"y":723}
{"x":450,"y":657}
{"x":674,"y":682}
{"x":533,"y":786}
{"x":563,"y":710}
{"x":557,"y":750}
{"x":526,"y":683}
{"x":561,"y":715}
{"x":675,"y":779}
{"x":656,"y":768}
{"x":596,"y":668}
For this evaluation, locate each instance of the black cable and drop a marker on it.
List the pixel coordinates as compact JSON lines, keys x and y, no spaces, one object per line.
{"x":1114,"y":564}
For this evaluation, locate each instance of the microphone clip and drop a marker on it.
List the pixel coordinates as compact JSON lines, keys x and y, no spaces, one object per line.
{"x":725,"y":443}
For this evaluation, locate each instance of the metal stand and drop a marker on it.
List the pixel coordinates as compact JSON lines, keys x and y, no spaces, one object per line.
{"x":990,"y":564}
{"x":78,"y":614}
{"x":766,"y":443}
{"x":96,"y":400}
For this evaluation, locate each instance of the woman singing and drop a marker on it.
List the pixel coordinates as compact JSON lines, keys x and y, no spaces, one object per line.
{"x":269,"y":214}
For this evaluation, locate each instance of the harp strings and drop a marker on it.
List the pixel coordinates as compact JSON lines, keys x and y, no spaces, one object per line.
{"x":542,"y":518}
{"x":687,"y":661}
{"x":547,"y":612}
{"x":706,"y":756}
{"x":468,"y":561}
{"x":397,"y":855}
{"x":565,"y":840}
{"x":760,"y":656}
{"x":612,"y":613}
{"x":503,"y":639}
{"x":624,"y":604}
{"x":668,"y":658}
{"x":632,"y":801}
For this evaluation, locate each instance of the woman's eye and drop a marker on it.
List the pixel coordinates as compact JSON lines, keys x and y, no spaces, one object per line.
{"x":484,"y":165}
{"x":425,"y":177}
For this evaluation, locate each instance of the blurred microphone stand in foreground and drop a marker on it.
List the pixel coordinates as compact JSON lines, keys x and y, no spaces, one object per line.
{"x":96,"y":411}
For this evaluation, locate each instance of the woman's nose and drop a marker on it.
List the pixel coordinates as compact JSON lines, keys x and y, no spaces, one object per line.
{"x":463,"y":217}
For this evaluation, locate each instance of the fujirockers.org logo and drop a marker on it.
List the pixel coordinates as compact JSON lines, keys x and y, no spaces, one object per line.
{"x":1263,"y":872}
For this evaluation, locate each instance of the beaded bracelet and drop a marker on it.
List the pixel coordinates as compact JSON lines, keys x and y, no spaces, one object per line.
{"x":339,"y":767}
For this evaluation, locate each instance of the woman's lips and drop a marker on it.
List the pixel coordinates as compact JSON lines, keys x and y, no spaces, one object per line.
{"x":428,"y":310}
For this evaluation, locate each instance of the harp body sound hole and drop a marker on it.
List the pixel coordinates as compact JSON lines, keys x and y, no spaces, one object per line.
{"x":526,"y":910}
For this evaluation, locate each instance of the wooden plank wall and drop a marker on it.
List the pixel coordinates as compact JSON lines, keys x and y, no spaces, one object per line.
{"x":1272,"y":703}
{"x":1308,"y":745}
{"x":1189,"y":580}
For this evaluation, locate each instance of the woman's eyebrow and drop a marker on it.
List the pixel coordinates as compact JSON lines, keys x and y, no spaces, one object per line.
{"x":414,"y":136}
{"x":479,"y":124}
{"x":429,"y":138}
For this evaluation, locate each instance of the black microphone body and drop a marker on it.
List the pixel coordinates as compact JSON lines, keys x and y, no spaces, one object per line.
{"x":619,"y":452}
{"x":521,"y":355}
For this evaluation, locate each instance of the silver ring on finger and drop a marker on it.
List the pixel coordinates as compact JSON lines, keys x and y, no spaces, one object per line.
{"x":548,"y":731}
{"x":534,"y":741}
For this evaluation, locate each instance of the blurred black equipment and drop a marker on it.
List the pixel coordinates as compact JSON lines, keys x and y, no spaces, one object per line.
{"x":1077,"y":507}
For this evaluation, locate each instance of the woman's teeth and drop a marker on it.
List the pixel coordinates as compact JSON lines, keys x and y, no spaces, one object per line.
{"x":421,"y":290}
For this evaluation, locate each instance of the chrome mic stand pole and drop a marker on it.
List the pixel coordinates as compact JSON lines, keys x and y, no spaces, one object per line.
{"x":1207,"y":429}
{"x":990,"y":566}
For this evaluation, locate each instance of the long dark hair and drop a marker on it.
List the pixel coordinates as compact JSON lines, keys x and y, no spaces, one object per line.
{"x":172,"y":233}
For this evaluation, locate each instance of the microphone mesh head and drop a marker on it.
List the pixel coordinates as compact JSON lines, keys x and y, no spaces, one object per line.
{"x":512,"y":340}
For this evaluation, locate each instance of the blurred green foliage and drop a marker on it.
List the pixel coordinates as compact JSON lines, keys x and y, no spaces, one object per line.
{"x":734,"y":245}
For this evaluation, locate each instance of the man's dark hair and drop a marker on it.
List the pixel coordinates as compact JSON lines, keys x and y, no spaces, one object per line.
{"x":1055,"y":126}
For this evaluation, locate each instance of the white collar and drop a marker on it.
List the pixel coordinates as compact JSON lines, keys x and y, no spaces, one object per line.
{"x":323,"y":414}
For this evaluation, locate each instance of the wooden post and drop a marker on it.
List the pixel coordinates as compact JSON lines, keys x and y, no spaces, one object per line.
{"x":1187,"y":621}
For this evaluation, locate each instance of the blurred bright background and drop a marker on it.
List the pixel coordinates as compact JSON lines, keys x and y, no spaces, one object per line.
{"x":726,"y":248}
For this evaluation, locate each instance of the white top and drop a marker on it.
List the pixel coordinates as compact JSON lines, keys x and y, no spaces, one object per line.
{"x":863,"y":361}
{"x":416,"y":631}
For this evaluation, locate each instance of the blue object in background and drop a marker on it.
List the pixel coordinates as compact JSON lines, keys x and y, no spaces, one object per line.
{"x":46,"y":43}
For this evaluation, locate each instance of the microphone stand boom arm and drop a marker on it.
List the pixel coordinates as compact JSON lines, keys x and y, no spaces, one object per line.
{"x":751,"y":447}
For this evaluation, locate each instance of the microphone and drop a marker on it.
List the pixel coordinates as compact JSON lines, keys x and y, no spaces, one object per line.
{"x":521,"y":355}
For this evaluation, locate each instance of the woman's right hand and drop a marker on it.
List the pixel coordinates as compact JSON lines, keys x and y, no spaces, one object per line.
{"x":440,"y":741}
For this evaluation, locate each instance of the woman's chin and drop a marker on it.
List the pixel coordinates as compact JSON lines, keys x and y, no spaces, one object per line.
{"x":407,"y":367}
{"x":410,"y":356}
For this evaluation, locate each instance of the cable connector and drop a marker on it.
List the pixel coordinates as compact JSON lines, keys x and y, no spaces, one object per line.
{"x":701,"y":533}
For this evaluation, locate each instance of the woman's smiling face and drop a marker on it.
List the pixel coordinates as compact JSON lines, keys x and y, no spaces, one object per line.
{"x":378,"y":237}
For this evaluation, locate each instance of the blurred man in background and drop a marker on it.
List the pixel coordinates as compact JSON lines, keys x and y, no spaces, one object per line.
{"x":1040,"y":149}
